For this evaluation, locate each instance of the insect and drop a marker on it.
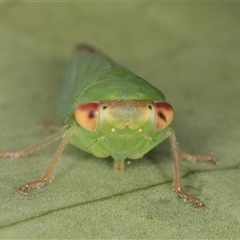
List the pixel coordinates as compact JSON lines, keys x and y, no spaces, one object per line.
{"x":109,"y":111}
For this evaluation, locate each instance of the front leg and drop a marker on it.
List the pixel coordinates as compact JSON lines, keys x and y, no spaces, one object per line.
{"x":65,"y":135}
{"x":177,"y":183}
{"x":49,"y":173}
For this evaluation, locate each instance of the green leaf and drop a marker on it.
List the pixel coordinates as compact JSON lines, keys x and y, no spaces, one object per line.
{"x":190,"y":51}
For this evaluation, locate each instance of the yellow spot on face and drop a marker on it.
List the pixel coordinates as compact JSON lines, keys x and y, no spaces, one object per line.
{"x":140,"y":130}
{"x":113,"y":130}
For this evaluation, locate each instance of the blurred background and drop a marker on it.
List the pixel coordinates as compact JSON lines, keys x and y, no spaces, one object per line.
{"x":190,"y":51}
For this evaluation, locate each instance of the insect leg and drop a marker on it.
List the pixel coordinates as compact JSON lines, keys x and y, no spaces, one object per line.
{"x":26,"y":151}
{"x":177,"y":184}
{"x":194,"y":158}
{"x":49,"y":125}
{"x":49,"y":173}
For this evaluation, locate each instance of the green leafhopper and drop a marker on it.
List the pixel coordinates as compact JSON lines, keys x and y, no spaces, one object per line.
{"x":109,"y":111}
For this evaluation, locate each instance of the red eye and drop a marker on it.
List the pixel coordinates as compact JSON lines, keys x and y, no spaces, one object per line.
{"x":86,"y":115}
{"x":164,"y":115}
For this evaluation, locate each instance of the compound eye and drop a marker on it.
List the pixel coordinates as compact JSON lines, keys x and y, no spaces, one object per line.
{"x":164,"y":115}
{"x":86,"y":115}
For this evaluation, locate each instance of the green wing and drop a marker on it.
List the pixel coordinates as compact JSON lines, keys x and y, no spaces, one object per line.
{"x":82,"y":71}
